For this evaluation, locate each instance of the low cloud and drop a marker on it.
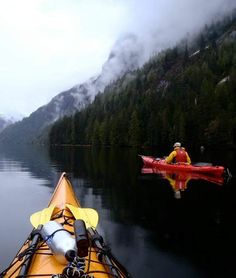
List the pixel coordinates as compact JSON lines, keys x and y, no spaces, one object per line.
{"x":48,"y":46}
{"x":152,"y":26}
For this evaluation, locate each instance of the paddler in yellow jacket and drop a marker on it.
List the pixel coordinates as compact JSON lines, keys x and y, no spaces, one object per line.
{"x":178,"y":155}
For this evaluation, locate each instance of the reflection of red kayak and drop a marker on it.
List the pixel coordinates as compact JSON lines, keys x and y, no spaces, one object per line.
{"x":160,"y":164}
{"x":181,"y":176}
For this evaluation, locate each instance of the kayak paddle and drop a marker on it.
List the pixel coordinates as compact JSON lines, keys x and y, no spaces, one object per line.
{"x":90,"y":216}
{"x":42,"y":217}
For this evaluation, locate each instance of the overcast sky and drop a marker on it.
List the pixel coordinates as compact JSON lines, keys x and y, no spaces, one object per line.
{"x":48,"y":46}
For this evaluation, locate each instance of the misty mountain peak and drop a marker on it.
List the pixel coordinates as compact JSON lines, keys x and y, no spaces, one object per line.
{"x":5,"y":121}
{"x":125,"y":56}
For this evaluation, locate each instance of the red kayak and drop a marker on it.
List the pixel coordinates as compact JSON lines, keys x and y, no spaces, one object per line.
{"x":160,"y":164}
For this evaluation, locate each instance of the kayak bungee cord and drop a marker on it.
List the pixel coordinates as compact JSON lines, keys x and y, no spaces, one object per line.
{"x":31,"y":250}
{"x":28,"y":254}
{"x":76,"y":268}
{"x":64,"y":242}
{"x":69,"y":271}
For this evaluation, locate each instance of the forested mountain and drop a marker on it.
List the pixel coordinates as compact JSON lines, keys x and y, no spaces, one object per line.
{"x":34,"y":129}
{"x":4,"y":122}
{"x":186,"y":93}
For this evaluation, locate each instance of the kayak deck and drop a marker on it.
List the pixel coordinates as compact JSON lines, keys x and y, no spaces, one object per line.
{"x":35,"y":258}
{"x":161,"y":164}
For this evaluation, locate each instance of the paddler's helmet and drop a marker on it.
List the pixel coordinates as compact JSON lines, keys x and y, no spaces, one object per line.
{"x":177,"y":144}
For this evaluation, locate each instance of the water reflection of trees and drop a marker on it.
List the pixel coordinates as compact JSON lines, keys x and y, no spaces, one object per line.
{"x":189,"y":227}
{"x":200,"y":223}
{"x":29,"y":158}
{"x":115,"y":175}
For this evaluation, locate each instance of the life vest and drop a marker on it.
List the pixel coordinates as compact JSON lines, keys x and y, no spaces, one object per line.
{"x":181,"y":156}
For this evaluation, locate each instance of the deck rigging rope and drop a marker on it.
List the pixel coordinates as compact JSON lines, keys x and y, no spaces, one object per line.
{"x":76,"y":268}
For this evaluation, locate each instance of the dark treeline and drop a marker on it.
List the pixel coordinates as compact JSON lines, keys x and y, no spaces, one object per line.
{"x":186,"y":93}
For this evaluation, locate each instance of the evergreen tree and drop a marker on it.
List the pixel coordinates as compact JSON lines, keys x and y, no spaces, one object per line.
{"x":174,"y":95}
{"x":134,"y":130}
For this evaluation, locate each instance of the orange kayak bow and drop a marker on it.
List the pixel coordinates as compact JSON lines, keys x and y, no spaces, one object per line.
{"x":65,"y":242}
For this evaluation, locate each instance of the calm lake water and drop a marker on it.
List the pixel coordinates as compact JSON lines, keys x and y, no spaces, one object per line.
{"x":152,"y":231}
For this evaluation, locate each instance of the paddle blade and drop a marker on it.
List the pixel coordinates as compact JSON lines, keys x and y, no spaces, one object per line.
{"x":88,"y":215}
{"x":42,"y":217}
